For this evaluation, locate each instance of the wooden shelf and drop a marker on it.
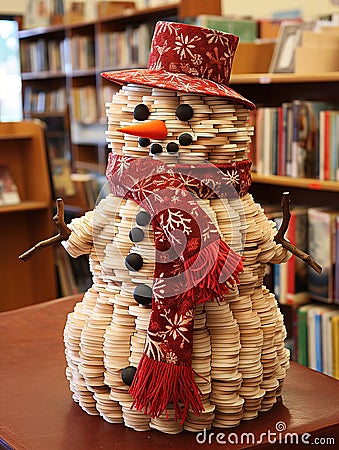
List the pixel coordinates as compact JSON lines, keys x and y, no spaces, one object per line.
{"x":45,"y":114}
{"x":18,"y":136}
{"x":276,"y":78}
{"x":92,"y":71}
{"x":42,"y":75}
{"x":304,"y":183}
{"x":24,"y":206}
{"x":30,"y":221}
{"x":137,"y":15}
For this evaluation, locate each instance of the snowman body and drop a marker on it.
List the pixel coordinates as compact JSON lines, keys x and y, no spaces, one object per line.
{"x":238,"y":353}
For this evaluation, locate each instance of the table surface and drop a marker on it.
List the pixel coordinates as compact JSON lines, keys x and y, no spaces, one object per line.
{"x":38,"y":413}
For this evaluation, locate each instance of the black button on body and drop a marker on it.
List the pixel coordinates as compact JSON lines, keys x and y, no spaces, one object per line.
{"x":136,"y":234}
{"x":134,"y":262}
{"x":143,"y":218}
{"x":143,"y":294}
{"x":127,"y":374}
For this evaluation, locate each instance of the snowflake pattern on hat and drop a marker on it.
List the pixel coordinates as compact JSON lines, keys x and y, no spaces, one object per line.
{"x":187,"y":58}
{"x":195,"y":51}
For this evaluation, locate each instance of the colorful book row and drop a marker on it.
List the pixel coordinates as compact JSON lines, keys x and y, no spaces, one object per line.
{"x":84,"y":104}
{"x":126,"y":48}
{"x":43,"y":101}
{"x":42,"y":55}
{"x":297,"y":139}
{"x":82,"y":52}
{"x":318,"y":338}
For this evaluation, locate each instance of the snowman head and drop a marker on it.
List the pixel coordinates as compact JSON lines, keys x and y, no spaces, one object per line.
{"x":181,"y":109}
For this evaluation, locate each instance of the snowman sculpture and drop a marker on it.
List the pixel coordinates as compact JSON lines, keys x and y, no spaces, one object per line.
{"x":177,"y":331}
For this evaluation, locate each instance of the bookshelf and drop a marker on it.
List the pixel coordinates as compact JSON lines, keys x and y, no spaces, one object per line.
{"x":273,"y":90}
{"x":22,"y":149}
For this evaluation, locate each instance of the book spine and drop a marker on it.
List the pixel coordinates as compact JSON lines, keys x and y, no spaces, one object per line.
{"x":321,"y":171}
{"x":327,"y":154}
{"x":336,"y":276}
{"x":291,"y":262}
{"x":287,"y":137}
{"x":280,"y":144}
{"x":335,"y":347}
{"x":302,"y":356}
{"x":311,"y":340}
{"x":297,"y":285}
{"x":318,"y":342}
{"x":295,"y":145}
{"x":319,"y":232}
{"x":334,"y":145}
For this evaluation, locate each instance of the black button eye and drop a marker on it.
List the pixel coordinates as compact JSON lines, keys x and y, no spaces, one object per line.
{"x":184,"y":112}
{"x":155,"y":149}
{"x":185,"y":139}
{"x":144,"y":142}
{"x":141,"y":112}
{"x":172,"y":147}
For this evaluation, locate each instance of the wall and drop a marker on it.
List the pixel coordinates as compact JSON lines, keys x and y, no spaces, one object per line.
{"x":264,"y":8}
{"x":13,"y":6}
{"x":256,"y":8}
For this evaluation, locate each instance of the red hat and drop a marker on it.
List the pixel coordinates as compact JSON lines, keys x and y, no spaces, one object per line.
{"x":187,"y":58}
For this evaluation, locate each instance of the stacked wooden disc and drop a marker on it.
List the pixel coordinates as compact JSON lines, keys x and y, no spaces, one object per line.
{"x":239,"y":357}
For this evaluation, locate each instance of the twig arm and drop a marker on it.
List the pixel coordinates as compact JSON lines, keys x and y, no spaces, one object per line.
{"x":280,"y":236}
{"x":63,"y":234}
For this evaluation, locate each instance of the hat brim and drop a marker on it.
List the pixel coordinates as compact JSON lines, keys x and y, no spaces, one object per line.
{"x":177,"y":82}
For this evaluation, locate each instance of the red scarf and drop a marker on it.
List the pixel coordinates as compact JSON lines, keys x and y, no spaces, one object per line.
{"x":192,"y":265}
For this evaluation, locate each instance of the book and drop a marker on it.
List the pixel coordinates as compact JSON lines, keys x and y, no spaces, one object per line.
{"x":328,"y":144}
{"x":315,"y":336}
{"x":311,"y":349}
{"x":268,"y":126}
{"x":322,"y":247}
{"x":327,"y":340}
{"x":286,"y":148}
{"x":87,"y":188}
{"x":280,"y":272}
{"x":290,"y":280}
{"x":336,"y":277}
{"x":302,"y":334}
{"x":246,"y":29}
{"x":306,"y":159}
{"x":297,"y":281}
{"x":61,"y":175}
{"x":335,"y":346}
{"x":9,"y":194}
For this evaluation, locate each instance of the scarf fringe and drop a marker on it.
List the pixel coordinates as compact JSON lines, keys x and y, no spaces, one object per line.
{"x":156,"y":384}
{"x":211,"y":281}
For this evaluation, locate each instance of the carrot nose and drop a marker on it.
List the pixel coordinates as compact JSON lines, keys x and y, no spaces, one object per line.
{"x":154,"y":129}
